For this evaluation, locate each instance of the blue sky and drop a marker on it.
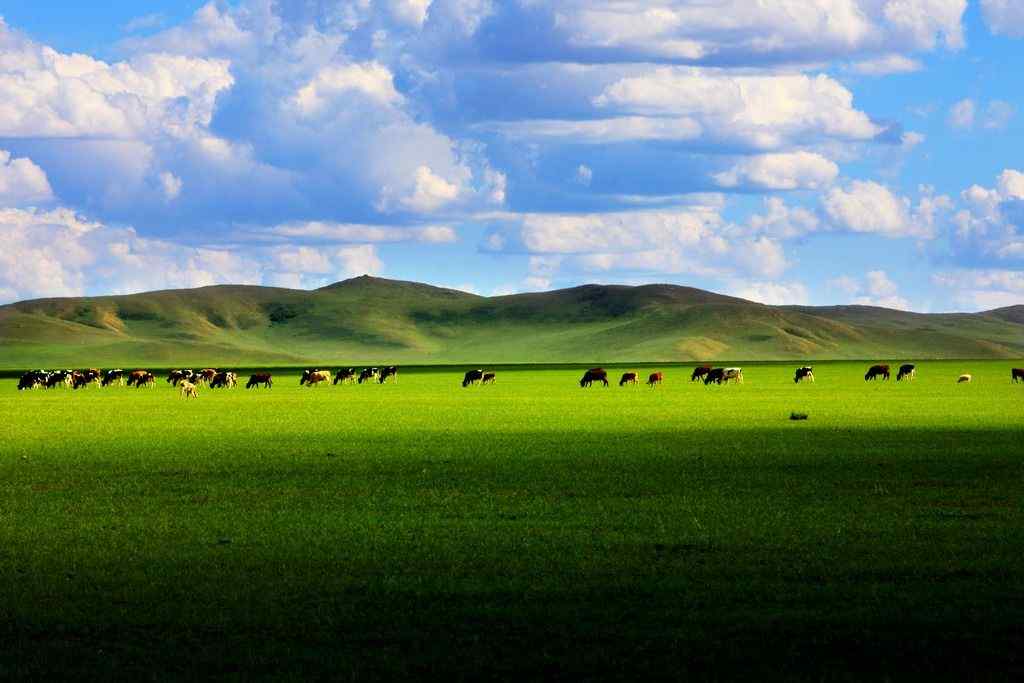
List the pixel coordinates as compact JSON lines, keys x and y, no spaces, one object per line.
{"x":792,"y":152}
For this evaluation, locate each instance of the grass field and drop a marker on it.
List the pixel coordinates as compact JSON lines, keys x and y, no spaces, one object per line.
{"x":525,"y":529}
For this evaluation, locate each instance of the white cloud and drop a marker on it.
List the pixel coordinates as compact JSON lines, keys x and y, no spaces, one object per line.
{"x":354,"y":232}
{"x":788,"y":171}
{"x":886,"y":65}
{"x":772,"y":293}
{"x":412,"y":12}
{"x":868,"y":207}
{"x":171,"y":185}
{"x":1004,"y":17}
{"x":584,"y":175}
{"x":875,"y":289}
{"x":340,"y":82}
{"x":983,"y":289}
{"x":962,"y":114}
{"x":617,"y":129}
{"x":22,"y":182}
{"x":761,"y":111}
{"x":998,"y":115}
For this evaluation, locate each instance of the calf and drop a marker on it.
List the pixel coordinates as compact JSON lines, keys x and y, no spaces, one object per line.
{"x":488,"y":378}
{"x":804,"y":373}
{"x":187,"y":389}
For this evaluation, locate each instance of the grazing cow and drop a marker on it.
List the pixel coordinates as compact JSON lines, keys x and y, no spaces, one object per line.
{"x":907,"y":371}
{"x":187,"y":389}
{"x":112,"y":377}
{"x":594,"y":375}
{"x":714,"y":376}
{"x":31,"y":380}
{"x":472,"y":377}
{"x":368,"y":374}
{"x":259,"y":378}
{"x":345,"y":375}
{"x":206,"y":375}
{"x":700,"y":372}
{"x":804,"y":373}
{"x":1017,"y":375}
{"x":148,"y":380}
{"x":655,"y":379}
{"x":224,"y":379}
{"x":488,"y":378}
{"x":136,"y":376}
{"x":58,"y":378}
{"x":390,"y":371}
{"x":176,"y":376}
{"x":733,"y":374}
{"x":629,"y":378}
{"x":80,"y":380}
{"x":964,"y":379}
{"x":876,"y":371}
{"x":312,"y":378}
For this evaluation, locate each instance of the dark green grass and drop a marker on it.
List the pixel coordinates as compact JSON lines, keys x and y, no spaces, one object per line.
{"x":518,"y":530}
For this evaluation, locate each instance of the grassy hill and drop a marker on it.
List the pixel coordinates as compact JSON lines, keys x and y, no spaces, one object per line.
{"x":372,"y":320}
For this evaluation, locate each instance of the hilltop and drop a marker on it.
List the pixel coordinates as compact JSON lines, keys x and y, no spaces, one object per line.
{"x":374,"y":320}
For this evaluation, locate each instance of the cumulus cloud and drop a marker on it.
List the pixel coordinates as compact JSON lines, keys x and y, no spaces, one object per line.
{"x":57,"y":252}
{"x":962,"y":114}
{"x":790,"y":171}
{"x":772,"y":293}
{"x":988,"y":228}
{"x":22,"y":182}
{"x":875,"y":288}
{"x":349,"y":232}
{"x":868,"y":207}
{"x":1004,"y":17}
{"x":983,"y":289}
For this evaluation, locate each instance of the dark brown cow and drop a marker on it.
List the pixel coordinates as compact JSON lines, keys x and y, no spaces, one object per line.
{"x":714,"y":376}
{"x":345,"y":375}
{"x":655,"y":379}
{"x":700,"y":372}
{"x":260,"y":379}
{"x":1017,"y":375}
{"x":907,"y":371}
{"x":472,"y":377}
{"x":488,"y":378}
{"x":390,"y":371}
{"x":629,"y":378}
{"x":594,"y":375}
{"x":205,"y":376}
{"x":876,"y":371}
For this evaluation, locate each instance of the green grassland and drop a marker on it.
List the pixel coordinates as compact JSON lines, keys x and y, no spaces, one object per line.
{"x":372,"y":320}
{"x":518,"y":530}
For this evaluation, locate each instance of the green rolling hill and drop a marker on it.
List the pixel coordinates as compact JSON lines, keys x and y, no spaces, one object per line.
{"x":372,"y":320}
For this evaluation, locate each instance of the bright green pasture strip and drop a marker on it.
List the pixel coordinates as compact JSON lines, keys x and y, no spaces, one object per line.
{"x":517,"y":524}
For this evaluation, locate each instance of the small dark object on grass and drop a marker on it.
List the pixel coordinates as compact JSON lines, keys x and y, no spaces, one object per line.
{"x":798,"y":416}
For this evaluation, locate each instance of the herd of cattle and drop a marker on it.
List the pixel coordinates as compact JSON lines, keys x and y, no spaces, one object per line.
{"x":189,"y":380}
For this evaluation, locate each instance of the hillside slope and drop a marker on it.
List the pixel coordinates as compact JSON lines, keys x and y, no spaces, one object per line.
{"x":372,"y":320}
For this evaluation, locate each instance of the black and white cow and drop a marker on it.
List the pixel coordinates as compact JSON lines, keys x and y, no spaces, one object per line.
{"x":804,"y":373}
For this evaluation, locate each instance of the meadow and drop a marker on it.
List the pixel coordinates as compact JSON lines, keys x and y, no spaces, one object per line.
{"x":525,"y":529}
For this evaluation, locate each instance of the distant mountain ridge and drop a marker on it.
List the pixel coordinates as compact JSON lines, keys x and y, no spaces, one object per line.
{"x":371,"y":320}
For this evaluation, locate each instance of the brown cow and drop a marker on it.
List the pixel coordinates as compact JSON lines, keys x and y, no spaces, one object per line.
{"x":260,"y":378}
{"x":594,"y":375}
{"x":629,"y":378}
{"x":655,"y":379}
{"x":146,"y":379}
{"x":700,"y":372}
{"x":135,"y":377}
{"x":314,"y":377}
{"x":877,"y":371}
